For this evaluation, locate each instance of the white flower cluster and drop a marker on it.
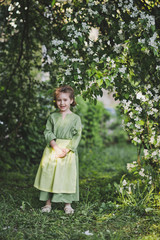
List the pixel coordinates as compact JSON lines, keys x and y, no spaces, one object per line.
{"x":85,"y":27}
{"x":57,"y":42}
{"x":10,"y":18}
{"x":68,"y":72}
{"x":141,"y":96}
{"x":152,"y":41}
{"x":158,"y":141}
{"x":134,"y":12}
{"x":127,"y":5}
{"x":104,"y":9}
{"x":130,"y":166}
{"x":150,"y":19}
{"x":132,"y":25}
{"x":141,"y":40}
{"x":48,"y":13}
{"x":91,"y":3}
{"x":91,"y":12}
{"x":134,"y":167}
{"x":64,"y":58}
{"x":122,"y":69}
{"x":76,"y":60}
{"x":117,"y":48}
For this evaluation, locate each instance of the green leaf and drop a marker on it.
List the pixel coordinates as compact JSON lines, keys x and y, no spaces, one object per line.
{"x":126,"y":95}
{"x":53,"y":2}
{"x":99,"y":82}
{"x":141,"y":122}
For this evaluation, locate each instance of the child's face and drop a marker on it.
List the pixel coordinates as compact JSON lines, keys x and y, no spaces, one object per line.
{"x":63,"y":102}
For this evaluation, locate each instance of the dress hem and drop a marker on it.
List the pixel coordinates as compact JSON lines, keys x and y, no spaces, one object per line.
{"x":54,"y":191}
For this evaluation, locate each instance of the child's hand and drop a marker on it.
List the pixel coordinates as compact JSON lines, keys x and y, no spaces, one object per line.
{"x":66,"y":150}
{"x":63,"y":152}
{"x":60,"y":153}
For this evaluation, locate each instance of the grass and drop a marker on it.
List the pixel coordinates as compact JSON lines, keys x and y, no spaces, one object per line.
{"x":98,"y":210}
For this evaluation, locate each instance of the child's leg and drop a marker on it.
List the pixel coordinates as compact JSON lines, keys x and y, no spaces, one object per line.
{"x":45,"y":196}
{"x":48,"y":202}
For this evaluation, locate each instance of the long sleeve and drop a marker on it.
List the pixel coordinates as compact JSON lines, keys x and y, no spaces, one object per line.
{"x":77,"y":130}
{"x":49,"y":131}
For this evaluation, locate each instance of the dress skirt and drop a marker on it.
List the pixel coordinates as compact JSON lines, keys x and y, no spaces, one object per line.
{"x":58,"y":178}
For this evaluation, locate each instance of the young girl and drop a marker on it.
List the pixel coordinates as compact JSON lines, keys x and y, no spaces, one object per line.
{"x":58,"y":175}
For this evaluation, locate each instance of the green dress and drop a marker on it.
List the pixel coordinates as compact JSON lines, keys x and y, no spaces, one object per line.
{"x":58,"y":178}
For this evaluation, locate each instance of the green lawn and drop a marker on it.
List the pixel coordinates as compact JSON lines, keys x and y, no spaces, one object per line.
{"x":98,"y":212}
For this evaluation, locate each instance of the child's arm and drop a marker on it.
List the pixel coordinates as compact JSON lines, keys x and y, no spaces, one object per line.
{"x":50,"y":137}
{"x":49,"y":131}
{"x":72,"y":146}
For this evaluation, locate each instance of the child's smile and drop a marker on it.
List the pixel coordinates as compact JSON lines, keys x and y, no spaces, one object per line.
{"x":64,"y":102}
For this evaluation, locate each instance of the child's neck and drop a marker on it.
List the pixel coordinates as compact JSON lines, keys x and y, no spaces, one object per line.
{"x":65,"y":112}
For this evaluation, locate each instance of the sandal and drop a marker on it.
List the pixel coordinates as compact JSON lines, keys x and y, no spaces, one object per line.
{"x":46,"y":208}
{"x":69,"y":210}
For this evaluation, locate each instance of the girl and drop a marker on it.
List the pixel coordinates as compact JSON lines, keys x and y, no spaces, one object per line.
{"x":57,"y":176}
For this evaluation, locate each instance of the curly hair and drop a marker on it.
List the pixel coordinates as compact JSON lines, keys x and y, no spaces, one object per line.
{"x":64,"y":89}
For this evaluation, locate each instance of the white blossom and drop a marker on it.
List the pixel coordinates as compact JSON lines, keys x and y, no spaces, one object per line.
{"x":155,"y":90}
{"x":141,"y":96}
{"x":157,"y":67}
{"x":136,"y":140}
{"x":131,"y":165}
{"x":151,"y":140}
{"x":68,"y":15}
{"x":91,"y":12}
{"x":108,"y":59}
{"x":138,"y":109}
{"x":154,"y":153}
{"x":122,"y":70}
{"x":129,"y":124}
{"x":49,"y":60}
{"x":158,"y":141}
{"x":156,"y":98}
{"x":96,"y":60}
{"x":137,"y":118}
{"x":10,"y":8}
{"x":73,"y":41}
{"x":117,"y":48}
{"x":131,"y":114}
{"x":64,"y":58}
{"x":141,"y":173}
{"x":79,"y":77}
{"x":57,"y":42}
{"x":141,"y":40}
{"x":132,"y":25}
{"x":104,"y":9}
{"x":152,"y":41}
{"x":124,"y":183}
{"x":55,"y":52}
{"x":85,"y":27}
{"x":150,"y":112}
{"x":78,"y":71}
{"x":137,"y":126}
{"x":67,"y":72}
{"x":149,"y":92}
